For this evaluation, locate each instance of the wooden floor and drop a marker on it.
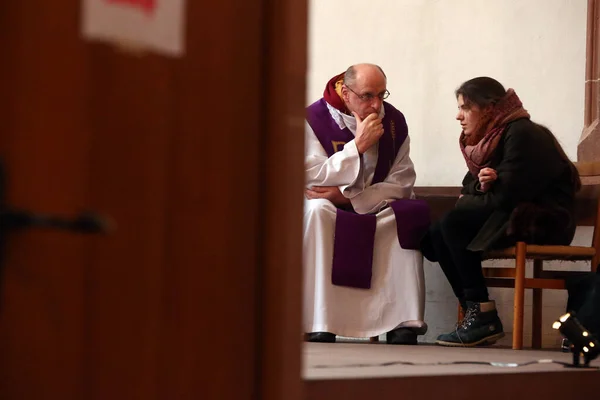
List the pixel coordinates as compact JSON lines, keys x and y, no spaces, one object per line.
{"x":357,"y":371}
{"x":360,"y":360}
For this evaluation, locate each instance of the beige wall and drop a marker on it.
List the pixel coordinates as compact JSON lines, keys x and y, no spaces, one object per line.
{"x":429,"y":47}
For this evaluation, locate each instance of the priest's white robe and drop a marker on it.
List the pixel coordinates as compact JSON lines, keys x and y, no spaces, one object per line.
{"x":397,"y":294}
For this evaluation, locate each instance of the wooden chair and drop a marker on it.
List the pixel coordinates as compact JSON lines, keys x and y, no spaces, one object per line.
{"x":588,"y":214}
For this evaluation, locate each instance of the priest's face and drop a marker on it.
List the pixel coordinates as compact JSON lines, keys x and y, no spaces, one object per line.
{"x":365,"y":96}
{"x":469,"y":115}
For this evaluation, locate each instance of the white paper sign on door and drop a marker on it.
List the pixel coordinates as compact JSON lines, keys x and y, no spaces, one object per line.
{"x":156,"y":25}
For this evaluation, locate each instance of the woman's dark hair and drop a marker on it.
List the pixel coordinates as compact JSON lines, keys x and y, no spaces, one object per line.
{"x":482,"y":91}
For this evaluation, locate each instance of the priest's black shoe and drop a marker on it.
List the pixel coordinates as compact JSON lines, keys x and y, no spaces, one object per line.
{"x":401,"y":336}
{"x":321,"y":337}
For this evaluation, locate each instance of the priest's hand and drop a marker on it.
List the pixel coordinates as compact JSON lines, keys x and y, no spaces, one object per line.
{"x":486,"y":177}
{"x":368,"y":131}
{"x":331,"y":193}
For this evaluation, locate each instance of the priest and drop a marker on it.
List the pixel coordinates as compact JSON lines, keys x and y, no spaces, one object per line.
{"x":363,"y":273}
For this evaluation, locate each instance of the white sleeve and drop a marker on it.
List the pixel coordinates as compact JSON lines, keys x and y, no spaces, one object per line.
{"x":397,"y":185}
{"x":341,"y":169}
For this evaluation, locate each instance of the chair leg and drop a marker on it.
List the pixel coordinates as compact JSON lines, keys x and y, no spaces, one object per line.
{"x":374,"y":339}
{"x":536,"y":321}
{"x":519,"y":298}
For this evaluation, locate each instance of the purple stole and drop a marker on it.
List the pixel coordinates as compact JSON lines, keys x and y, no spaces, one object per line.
{"x":355,"y":233}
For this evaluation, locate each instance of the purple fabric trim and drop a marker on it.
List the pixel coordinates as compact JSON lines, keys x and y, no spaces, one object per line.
{"x":353,"y":249}
{"x":412,"y":221}
{"x":326,"y":129}
{"x":395,"y":133}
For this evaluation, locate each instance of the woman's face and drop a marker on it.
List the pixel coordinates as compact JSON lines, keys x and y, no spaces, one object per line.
{"x":469,"y":116}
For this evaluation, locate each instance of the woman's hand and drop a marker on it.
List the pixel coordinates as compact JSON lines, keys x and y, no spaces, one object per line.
{"x":486,"y":177}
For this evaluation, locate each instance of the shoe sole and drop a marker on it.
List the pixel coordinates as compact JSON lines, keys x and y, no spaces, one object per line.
{"x":487,"y":341}
{"x":319,"y":339}
{"x":403,"y":342}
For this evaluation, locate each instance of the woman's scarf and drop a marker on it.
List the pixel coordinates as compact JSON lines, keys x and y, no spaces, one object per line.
{"x":487,"y":135}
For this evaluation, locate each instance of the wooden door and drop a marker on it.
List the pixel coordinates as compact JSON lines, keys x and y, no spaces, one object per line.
{"x":44,"y":138}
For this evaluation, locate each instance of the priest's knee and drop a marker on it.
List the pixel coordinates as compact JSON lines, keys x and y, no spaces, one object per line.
{"x":318,"y":208}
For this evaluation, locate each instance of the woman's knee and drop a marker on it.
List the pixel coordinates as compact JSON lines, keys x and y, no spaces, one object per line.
{"x":460,"y":221}
{"x":454,"y":217}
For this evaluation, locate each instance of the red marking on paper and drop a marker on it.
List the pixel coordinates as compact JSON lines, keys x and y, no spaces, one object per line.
{"x":147,"y":5}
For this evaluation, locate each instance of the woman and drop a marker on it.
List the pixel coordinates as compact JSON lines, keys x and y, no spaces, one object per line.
{"x":520,"y":187}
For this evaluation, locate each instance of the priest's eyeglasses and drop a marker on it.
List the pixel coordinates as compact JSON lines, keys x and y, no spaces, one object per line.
{"x":369,"y":97}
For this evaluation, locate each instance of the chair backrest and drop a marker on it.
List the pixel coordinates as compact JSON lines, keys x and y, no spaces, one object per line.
{"x":589,"y":196}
